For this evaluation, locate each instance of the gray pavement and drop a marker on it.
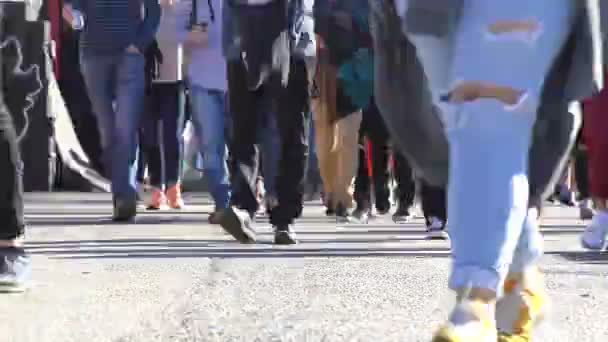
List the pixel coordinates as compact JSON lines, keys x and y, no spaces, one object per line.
{"x":172,"y":277}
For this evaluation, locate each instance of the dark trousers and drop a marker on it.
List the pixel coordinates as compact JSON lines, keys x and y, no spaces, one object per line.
{"x":373,"y":127}
{"x":292,"y":106}
{"x":313,"y":175}
{"x":11,"y":169}
{"x":74,"y":92}
{"x":433,"y":198}
{"x":11,"y":172}
{"x":161,"y":128}
{"x":581,"y":173}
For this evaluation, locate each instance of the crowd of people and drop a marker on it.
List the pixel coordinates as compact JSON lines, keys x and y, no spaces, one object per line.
{"x":466,"y":105}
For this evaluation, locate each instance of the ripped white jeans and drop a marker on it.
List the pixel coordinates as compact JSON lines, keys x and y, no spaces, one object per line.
{"x":508,"y":43}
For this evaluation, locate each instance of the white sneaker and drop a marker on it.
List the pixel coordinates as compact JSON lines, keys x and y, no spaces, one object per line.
{"x":595,"y":234}
{"x":436,"y":229}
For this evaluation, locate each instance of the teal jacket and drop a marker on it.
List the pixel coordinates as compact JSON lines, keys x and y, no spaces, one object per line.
{"x":344,"y":26}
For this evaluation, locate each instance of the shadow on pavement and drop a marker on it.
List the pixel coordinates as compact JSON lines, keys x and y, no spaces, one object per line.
{"x":584,"y":257}
{"x":174,"y":248}
{"x":106,"y":220}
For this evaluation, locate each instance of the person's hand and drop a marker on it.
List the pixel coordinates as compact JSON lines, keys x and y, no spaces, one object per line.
{"x":133,"y":49}
{"x":67,"y":13}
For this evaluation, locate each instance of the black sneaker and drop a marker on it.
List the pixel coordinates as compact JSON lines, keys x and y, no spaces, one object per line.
{"x":124,"y":210}
{"x":402,"y":215}
{"x":15,"y":269}
{"x":361,"y":214}
{"x":237,"y":222}
{"x":342,"y":214}
{"x":331,"y":210}
{"x":435,"y":229}
{"x":383,"y":208}
{"x":284,"y":235}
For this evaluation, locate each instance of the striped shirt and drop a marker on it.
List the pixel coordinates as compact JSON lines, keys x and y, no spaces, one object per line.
{"x":110,"y":26}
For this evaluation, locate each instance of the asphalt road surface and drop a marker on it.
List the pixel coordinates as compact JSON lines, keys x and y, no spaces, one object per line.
{"x":173,"y":277}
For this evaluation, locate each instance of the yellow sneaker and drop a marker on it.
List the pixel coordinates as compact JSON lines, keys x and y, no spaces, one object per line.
{"x":521,"y":309}
{"x":470,"y":321}
{"x":504,"y":337}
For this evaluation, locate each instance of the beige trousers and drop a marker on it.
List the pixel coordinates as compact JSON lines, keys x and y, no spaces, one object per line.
{"x":337,"y":141}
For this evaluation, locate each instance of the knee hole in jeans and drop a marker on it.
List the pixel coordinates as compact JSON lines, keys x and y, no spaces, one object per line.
{"x":469,"y":91}
{"x":527,"y":31}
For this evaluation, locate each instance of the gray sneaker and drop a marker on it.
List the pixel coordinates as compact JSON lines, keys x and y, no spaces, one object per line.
{"x":15,"y":269}
{"x":237,"y":222}
{"x":436,"y":229}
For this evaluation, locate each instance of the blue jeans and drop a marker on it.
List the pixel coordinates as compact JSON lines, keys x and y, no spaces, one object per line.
{"x":491,"y":228}
{"x":209,"y":119}
{"x":116,"y":86}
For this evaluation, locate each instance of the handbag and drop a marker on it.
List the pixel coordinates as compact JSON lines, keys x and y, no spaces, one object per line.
{"x":435,"y":18}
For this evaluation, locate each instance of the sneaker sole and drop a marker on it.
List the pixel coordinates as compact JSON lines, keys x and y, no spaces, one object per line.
{"x":444,"y":336}
{"x":351,"y":220}
{"x":153,"y":208}
{"x":402,"y":219}
{"x":12,"y":288}
{"x":437,"y":236}
{"x":285,"y":240}
{"x":231,"y":223}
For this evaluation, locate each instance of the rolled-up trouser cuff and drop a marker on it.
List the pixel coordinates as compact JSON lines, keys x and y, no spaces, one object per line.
{"x":464,"y":277}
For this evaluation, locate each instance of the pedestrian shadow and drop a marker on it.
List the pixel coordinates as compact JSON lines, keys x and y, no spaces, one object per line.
{"x":106,"y":220}
{"x":220,"y":248}
{"x":191,"y":217}
{"x":584,"y":257}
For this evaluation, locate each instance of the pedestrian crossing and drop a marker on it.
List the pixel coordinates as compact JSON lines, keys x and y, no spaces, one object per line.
{"x":186,"y":233}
